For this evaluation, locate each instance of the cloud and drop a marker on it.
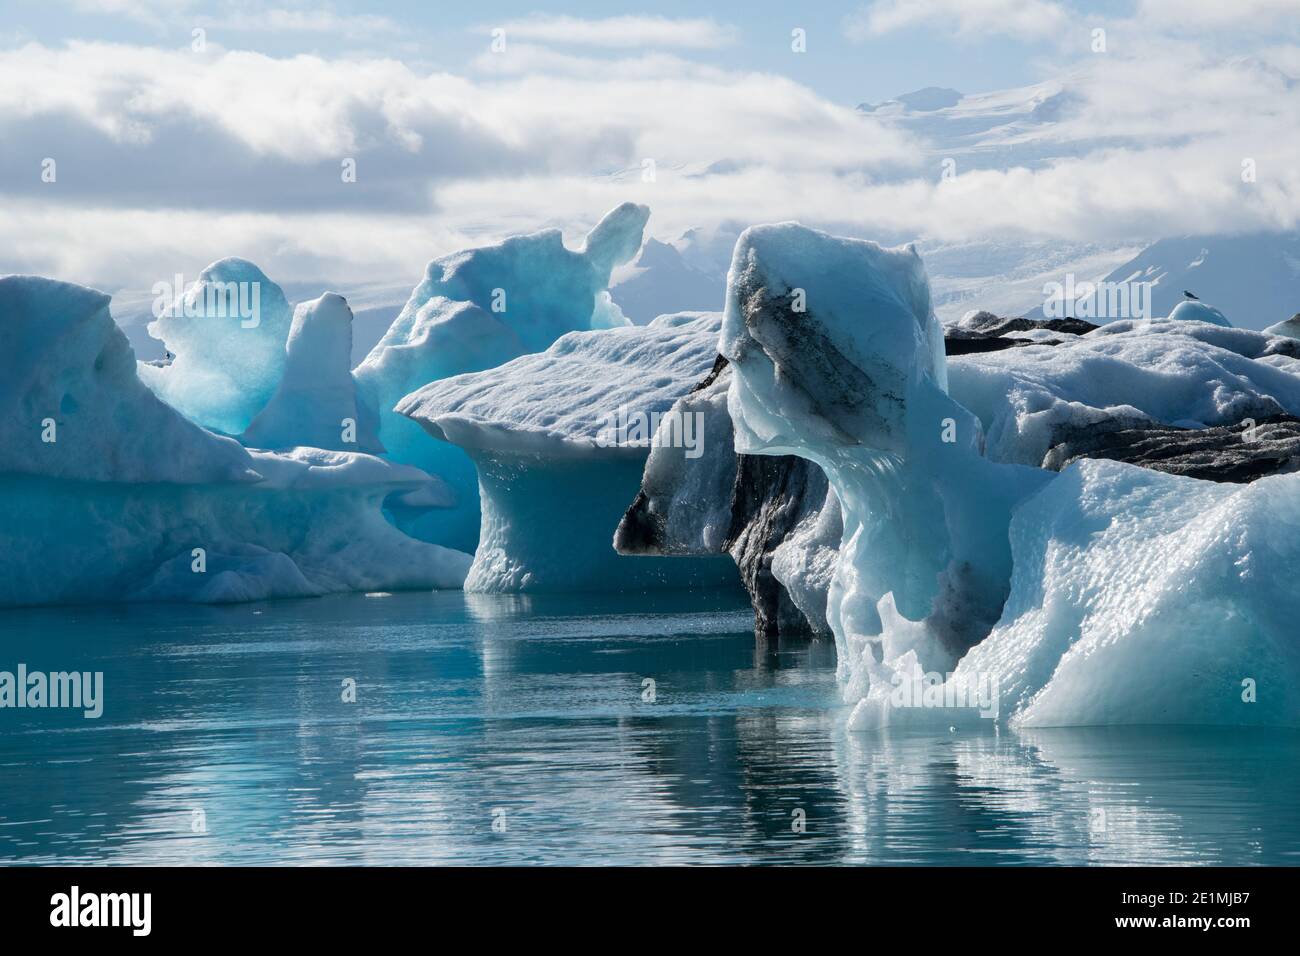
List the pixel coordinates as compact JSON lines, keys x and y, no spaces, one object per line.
{"x":323,"y":110}
{"x":168,"y":159}
{"x":112,"y":248}
{"x":1029,"y":19}
{"x":618,"y":32}
{"x":142,"y":134}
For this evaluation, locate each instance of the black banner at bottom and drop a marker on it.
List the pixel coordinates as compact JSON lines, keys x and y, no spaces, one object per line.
{"x":333,"y":906}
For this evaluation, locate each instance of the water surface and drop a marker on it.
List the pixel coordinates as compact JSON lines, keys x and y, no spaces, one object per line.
{"x":225,"y":739}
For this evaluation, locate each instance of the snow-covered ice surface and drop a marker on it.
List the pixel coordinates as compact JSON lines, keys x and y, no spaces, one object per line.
{"x":560,"y":439}
{"x":110,"y":494}
{"x":1132,"y":596}
{"x":1171,"y":371}
{"x":478,"y":309}
{"x":567,"y":399}
{"x":1145,"y":598}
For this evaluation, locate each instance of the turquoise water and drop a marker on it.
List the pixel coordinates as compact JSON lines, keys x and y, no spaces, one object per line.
{"x":225,"y":739}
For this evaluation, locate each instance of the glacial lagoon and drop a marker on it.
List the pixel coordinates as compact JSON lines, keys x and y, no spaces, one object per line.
{"x":574,"y":729}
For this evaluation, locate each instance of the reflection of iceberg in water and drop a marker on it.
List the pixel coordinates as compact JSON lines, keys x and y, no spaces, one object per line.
{"x":1072,"y":796}
{"x":462,"y":710}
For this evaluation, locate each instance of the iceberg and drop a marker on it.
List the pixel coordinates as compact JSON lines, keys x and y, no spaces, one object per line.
{"x":226,"y":334}
{"x":560,"y":440}
{"x":315,"y":403}
{"x":838,"y":357}
{"x":110,"y":494}
{"x":1196,"y":311}
{"x":476,"y":310}
{"x":1128,"y":372}
{"x":1145,"y":598}
{"x":74,"y":408}
{"x":1107,"y":593}
{"x":1287,"y":327}
{"x":779,"y":520}
{"x":775,"y":515}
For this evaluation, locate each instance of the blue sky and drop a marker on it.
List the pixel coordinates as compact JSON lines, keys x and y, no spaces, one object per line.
{"x":163,"y":155}
{"x":449,"y":35}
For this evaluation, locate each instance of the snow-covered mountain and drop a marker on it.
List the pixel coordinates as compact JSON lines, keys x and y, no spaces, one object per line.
{"x":1254,"y":279}
{"x":1000,"y":273}
{"x":660,"y":281}
{"x":920,"y":101}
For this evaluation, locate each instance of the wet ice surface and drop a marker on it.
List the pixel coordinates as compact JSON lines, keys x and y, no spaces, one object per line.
{"x":532,"y":708}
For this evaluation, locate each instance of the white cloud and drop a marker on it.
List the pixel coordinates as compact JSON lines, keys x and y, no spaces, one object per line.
{"x":113,"y":248}
{"x":176,"y":158}
{"x":619,"y":32}
{"x":1033,"y":19}
{"x":330,"y":108}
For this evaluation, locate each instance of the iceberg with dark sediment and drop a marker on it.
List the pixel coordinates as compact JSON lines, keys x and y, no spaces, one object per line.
{"x":1107,"y":593}
{"x":837,"y":357}
{"x":775,"y":515}
{"x":1036,"y":521}
{"x":1131,"y":372}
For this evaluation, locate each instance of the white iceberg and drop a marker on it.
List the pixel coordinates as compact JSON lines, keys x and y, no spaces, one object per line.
{"x":1145,"y":598}
{"x":1106,"y":594}
{"x":1178,"y":373}
{"x":837,"y":357}
{"x":74,"y":407}
{"x":560,"y":439}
